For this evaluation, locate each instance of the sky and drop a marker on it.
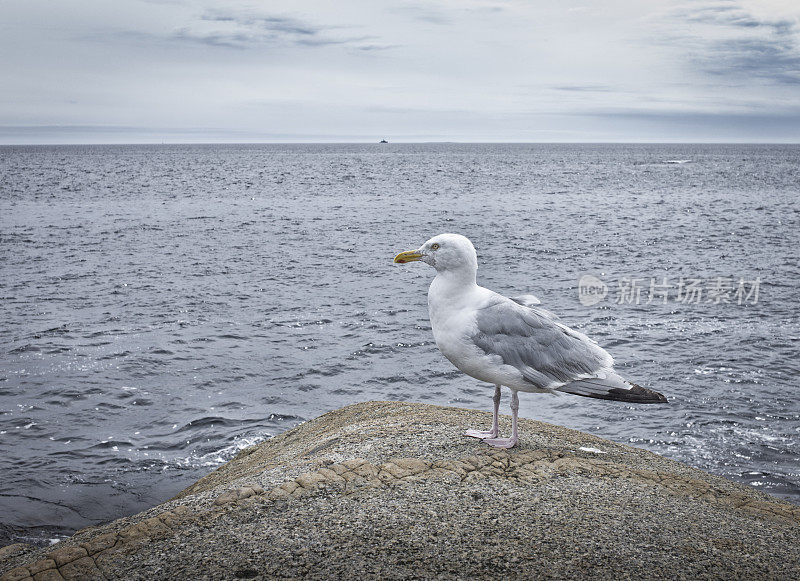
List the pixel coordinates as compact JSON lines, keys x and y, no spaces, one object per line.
{"x":134,"y":71}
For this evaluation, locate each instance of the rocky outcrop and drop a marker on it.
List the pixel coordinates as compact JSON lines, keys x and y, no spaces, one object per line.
{"x":391,"y":490}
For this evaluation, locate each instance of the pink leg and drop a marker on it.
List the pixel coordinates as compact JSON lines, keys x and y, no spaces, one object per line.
{"x":495,"y":431}
{"x":512,"y":441}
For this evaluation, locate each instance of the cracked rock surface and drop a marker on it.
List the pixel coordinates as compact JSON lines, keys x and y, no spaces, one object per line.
{"x":390,"y":490}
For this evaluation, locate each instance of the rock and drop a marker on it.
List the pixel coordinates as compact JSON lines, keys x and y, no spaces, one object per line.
{"x":13,"y":550}
{"x":67,"y":554}
{"x":391,"y":490}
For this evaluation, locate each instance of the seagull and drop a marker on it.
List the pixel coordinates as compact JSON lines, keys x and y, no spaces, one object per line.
{"x":511,"y":341}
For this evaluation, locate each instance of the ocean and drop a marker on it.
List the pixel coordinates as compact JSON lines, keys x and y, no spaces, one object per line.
{"x":164,"y":306}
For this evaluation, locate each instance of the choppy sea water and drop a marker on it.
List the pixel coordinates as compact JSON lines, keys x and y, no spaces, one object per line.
{"x":165,"y":306}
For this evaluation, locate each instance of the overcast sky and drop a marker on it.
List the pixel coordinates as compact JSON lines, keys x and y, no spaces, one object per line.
{"x":351,"y":70}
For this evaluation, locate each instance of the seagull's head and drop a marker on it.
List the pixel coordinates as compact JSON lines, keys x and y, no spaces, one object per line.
{"x":444,"y":252}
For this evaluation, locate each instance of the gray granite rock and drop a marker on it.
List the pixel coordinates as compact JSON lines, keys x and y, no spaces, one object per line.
{"x":390,"y":490}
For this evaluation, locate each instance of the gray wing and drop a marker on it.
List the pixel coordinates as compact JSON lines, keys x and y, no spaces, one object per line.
{"x":547,"y":353}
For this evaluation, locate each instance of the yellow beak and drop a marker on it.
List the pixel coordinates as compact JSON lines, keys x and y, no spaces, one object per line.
{"x":408,"y":256}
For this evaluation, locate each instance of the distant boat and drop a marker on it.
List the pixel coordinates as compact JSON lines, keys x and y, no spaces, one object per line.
{"x":383,"y":141}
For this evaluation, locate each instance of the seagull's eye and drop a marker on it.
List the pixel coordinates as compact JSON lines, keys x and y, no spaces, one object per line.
{"x":434,"y":246}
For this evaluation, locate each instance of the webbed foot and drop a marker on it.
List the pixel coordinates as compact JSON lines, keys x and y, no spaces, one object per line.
{"x":480,"y":434}
{"x":502,"y":442}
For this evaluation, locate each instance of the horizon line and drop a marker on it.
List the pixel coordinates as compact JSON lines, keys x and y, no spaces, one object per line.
{"x":402,"y":142}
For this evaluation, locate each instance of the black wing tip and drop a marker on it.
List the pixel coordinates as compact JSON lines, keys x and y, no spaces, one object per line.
{"x":636,"y":394}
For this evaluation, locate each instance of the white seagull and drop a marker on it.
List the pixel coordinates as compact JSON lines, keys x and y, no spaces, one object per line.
{"x":511,"y":342}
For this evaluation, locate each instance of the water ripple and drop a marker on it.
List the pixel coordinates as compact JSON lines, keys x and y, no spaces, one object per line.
{"x":165,"y":306}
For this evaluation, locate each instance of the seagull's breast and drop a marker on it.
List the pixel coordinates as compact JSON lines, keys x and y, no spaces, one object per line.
{"x":452,"y":327}
{"x":454,"y":322}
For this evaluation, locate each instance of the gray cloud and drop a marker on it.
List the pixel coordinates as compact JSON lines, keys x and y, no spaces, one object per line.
{"x":424,"y":13}
{"x":766,"y":49}
{"x":584,"y":88}
{"x":696,"y":126}
{"x":251,"y":29}
{"x":733,"y":15}
{"x":443,"y":16}
{"x":772,"y":59}
{"x":468,"y":70}
{"x":376,"y":47}
{"x":214,"y":39}
{"x":433,"y":18}
{"x":277,"y":24}
{"x":243,"y":30}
